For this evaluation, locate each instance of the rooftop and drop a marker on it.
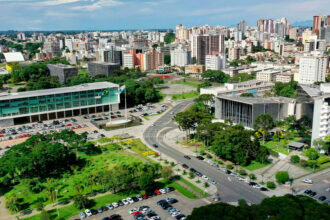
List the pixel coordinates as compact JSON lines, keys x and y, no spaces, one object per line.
{"x":43,"y":92}
{"x":63,"y":66}
{"x":104,"y":63}
{"x":14,"y":57}
{"x":258,"y":100}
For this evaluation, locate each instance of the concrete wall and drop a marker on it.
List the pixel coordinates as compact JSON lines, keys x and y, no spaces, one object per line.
{"x":6,"y":122}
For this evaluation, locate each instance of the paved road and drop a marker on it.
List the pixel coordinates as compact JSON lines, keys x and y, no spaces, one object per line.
{"x":229,"y":187}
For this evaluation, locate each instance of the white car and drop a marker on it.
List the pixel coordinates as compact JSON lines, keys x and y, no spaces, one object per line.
{"x":88,"y":212}
{"x":125,"y":201}
{"x":155,"y":217}
{"x":114,"y":204}
{"x":109,"y":206}
{"x":175,"y":214}
{"x":205,"y":177}
{"x":163,"y":191}
{"x":139,"y":197}
{"x":309,"y":181}
{"x":130,"y":200}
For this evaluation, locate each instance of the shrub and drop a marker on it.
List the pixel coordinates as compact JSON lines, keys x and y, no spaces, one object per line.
{"x":295,"y":159}
{"x":166,"y":162}
{"x":312,"y":154}
{"x":312,"y":163}
{"x":242,"y":172}
{"x":282,"y":177}
{"x":271,"y":185}
{"x":229,"y":167}
{"x":202,"y":152}
{"x":172,"y":164}
{"x":191,"y":175}
{"x":39,"y":206}
{"x":184,"y":172}
{"x":252,"y":176}
{"x":303,"y":163}
{"x":323,"y":160}
{"x":80,"y":201}
{"x":273,"y":153}
{"x":206,"y":184}
{"x":208,"y":156}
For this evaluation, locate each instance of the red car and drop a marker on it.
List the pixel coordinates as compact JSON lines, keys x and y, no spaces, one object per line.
{"x":144,"y":196}
{"x":79,"y":126}
{"x":73,"y":128}
{"x":136,"y":213}
{"x":157,"y":192}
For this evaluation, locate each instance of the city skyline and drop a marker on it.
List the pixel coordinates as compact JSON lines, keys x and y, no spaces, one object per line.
{"x":47,"y":15}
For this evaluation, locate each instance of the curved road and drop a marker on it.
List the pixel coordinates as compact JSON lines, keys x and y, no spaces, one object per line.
{"x":229,"y":188}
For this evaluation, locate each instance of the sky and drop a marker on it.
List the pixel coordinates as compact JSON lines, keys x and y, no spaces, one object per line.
{"x":41,"y":15}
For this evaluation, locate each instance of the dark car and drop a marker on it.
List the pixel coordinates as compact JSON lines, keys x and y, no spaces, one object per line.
{"x":322,"y":198}
{"x":143,"y":207}
{"x":135,"y":199}
{"x":228,"y":171}
{"x":263,"y":189}
{"x":94,"y":212}
{"x":200,"y":158}
{"x":172,"y":200}
{"x":313,"y":194}
{"x":161,"y":202}
{"x":171,"y":188}
{"x":199,"y":174}
{"x":192,"y":170}
{"x":308,"y":191}
{"x":106,"y":218}
{"x":104,"y":208}
{"x":185,"y":166}
{"x":179,"y":216}
{"x":187,"y":157}
{"x":115,"y":217}
{"x":120,"y":203}
{"x":99,"y":210}
{"x":155,"y":145}
{"x":252,"y":183}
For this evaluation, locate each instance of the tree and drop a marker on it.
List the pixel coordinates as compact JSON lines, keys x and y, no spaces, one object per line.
{"x":271,"y":185}
{"x":263,"y":122}
{"x":166,"y":173}
{"x":247,"y":95}
{"x":146,"y":182}
{"x":215,"y":76}
{"x":44,"y":215}
{"x":167,"y":59}
{"x":312,"y":154}
{"x":80,"y":201}
{"x":319,"y":143}
{"x":282,"y":177}
{"x":169,"y":38}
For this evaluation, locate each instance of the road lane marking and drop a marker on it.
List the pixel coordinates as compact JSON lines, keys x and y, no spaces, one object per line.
{"x":229,"y":179}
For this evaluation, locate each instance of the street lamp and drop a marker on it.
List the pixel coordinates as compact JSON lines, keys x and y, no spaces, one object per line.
{"x":58,"y":213}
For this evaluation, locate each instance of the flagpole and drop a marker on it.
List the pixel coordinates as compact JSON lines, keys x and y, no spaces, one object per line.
{"x":125,"y":105}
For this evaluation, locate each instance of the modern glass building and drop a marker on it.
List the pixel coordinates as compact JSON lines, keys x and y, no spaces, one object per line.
{"x":31,"y":106}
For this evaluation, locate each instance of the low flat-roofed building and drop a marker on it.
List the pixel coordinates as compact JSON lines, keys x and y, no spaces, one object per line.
{"x":235,"y":89}
{"x":62,"y":71}
{"x":194,"y":69}
{"x":245,"y":110}
{"x":284,"y":77}
{"x":47,"y":104}
{"x":267,"y":76}
{"x":97,"y":68}
{"x":13,"y":59}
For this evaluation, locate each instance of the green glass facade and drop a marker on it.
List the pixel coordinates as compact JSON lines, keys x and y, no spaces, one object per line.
{"x":58,"y":102}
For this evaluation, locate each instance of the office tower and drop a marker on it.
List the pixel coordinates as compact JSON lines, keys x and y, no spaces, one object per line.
{"x":21,"y":36}
{"x":63,"y":72}
{"x":180,"y":56}
{"x":280,"y":29}
{"x":128,"y":60}
{"x":215,"y":62}
{"x":317,"y":24}
{"x":98,"y":68}
{"x":202,"y":45}
{"x":309,"y":46}
{"x":234,"y":53}
{"x":181,"y":33}
{"x":222,"y":47}
{"x":327,"y":34}
{"x":260,"y":25}
{"x":293,"y":33}
{"x":242,"y":27}
{"x":312,"y":68}
{"x":52,"y":47}
{"x":238,"y":35}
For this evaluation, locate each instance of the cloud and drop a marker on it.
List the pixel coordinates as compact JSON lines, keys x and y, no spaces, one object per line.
{"x":59,"y":2}
{"x":97,"y":5}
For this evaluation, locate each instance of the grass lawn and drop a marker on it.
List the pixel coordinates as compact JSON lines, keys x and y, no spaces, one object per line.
{"x":280,"y":147}
{"x":185,"y":95}
{"x":104,"y":140}
{"x":187,"y":83}
{"x":194,"y":187}
{"x":254,"y":165}
{"x":66,"y":184}
{"x":181,"y":189}
{"x":138,"y":146}
{"x":69,"y":211}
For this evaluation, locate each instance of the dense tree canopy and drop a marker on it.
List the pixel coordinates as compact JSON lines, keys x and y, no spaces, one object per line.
{"x":277,"y":208}
{"x":286,"y":89}
{"x":215,"y":76}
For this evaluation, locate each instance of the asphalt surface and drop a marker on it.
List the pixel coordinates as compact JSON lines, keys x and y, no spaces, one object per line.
{"x":230,"y":189}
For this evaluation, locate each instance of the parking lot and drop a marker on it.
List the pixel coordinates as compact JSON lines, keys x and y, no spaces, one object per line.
{"x":184,"y":205}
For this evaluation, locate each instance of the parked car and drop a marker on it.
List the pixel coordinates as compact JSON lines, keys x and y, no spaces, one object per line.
{"x":110,"y":206}
{"x":200,"y":158}
{"x":82,"y":215}
{"x":125,"y":202}
{"x":99,"y":210}
{"x":322,"y":198}
{"x":185,"y":166}
{"x":130,"y":200}
{"x":213,"y":181}
{"x":88,"y":212}
{"x":158,"y":192}
{"x":139,"y":197}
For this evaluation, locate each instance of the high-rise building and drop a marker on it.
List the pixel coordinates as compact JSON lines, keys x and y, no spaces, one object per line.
{"x":242,"y":27}
{"x":128,"y":60}
{"x":21,"y":36}
{"x":215,"y":62}
{"x":312,"y":68}
{"x":293,"y":33}
{"x":280,"y":29}
{"x":181,"y":33}
{"x":63,"y":72}
{"x":266,"y":25}
{"x":234,"y":53}
{"x":238,"y":35}
{"x":202,"y":45}
{"x":180,"y":56}
{"x":52,"y":47}
{"x":317,"y":24}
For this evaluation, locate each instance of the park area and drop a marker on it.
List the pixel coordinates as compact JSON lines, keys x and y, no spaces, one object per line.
{"x":96,"y":173}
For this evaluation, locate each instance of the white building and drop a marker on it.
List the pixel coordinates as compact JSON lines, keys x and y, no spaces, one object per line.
{"x":312,"y":69}
{"x":267,"y":75}
{"x":180,"y":56}
{"x":321,"y":115}
{"x":215,"y":62}
{"x":128,"y":60}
